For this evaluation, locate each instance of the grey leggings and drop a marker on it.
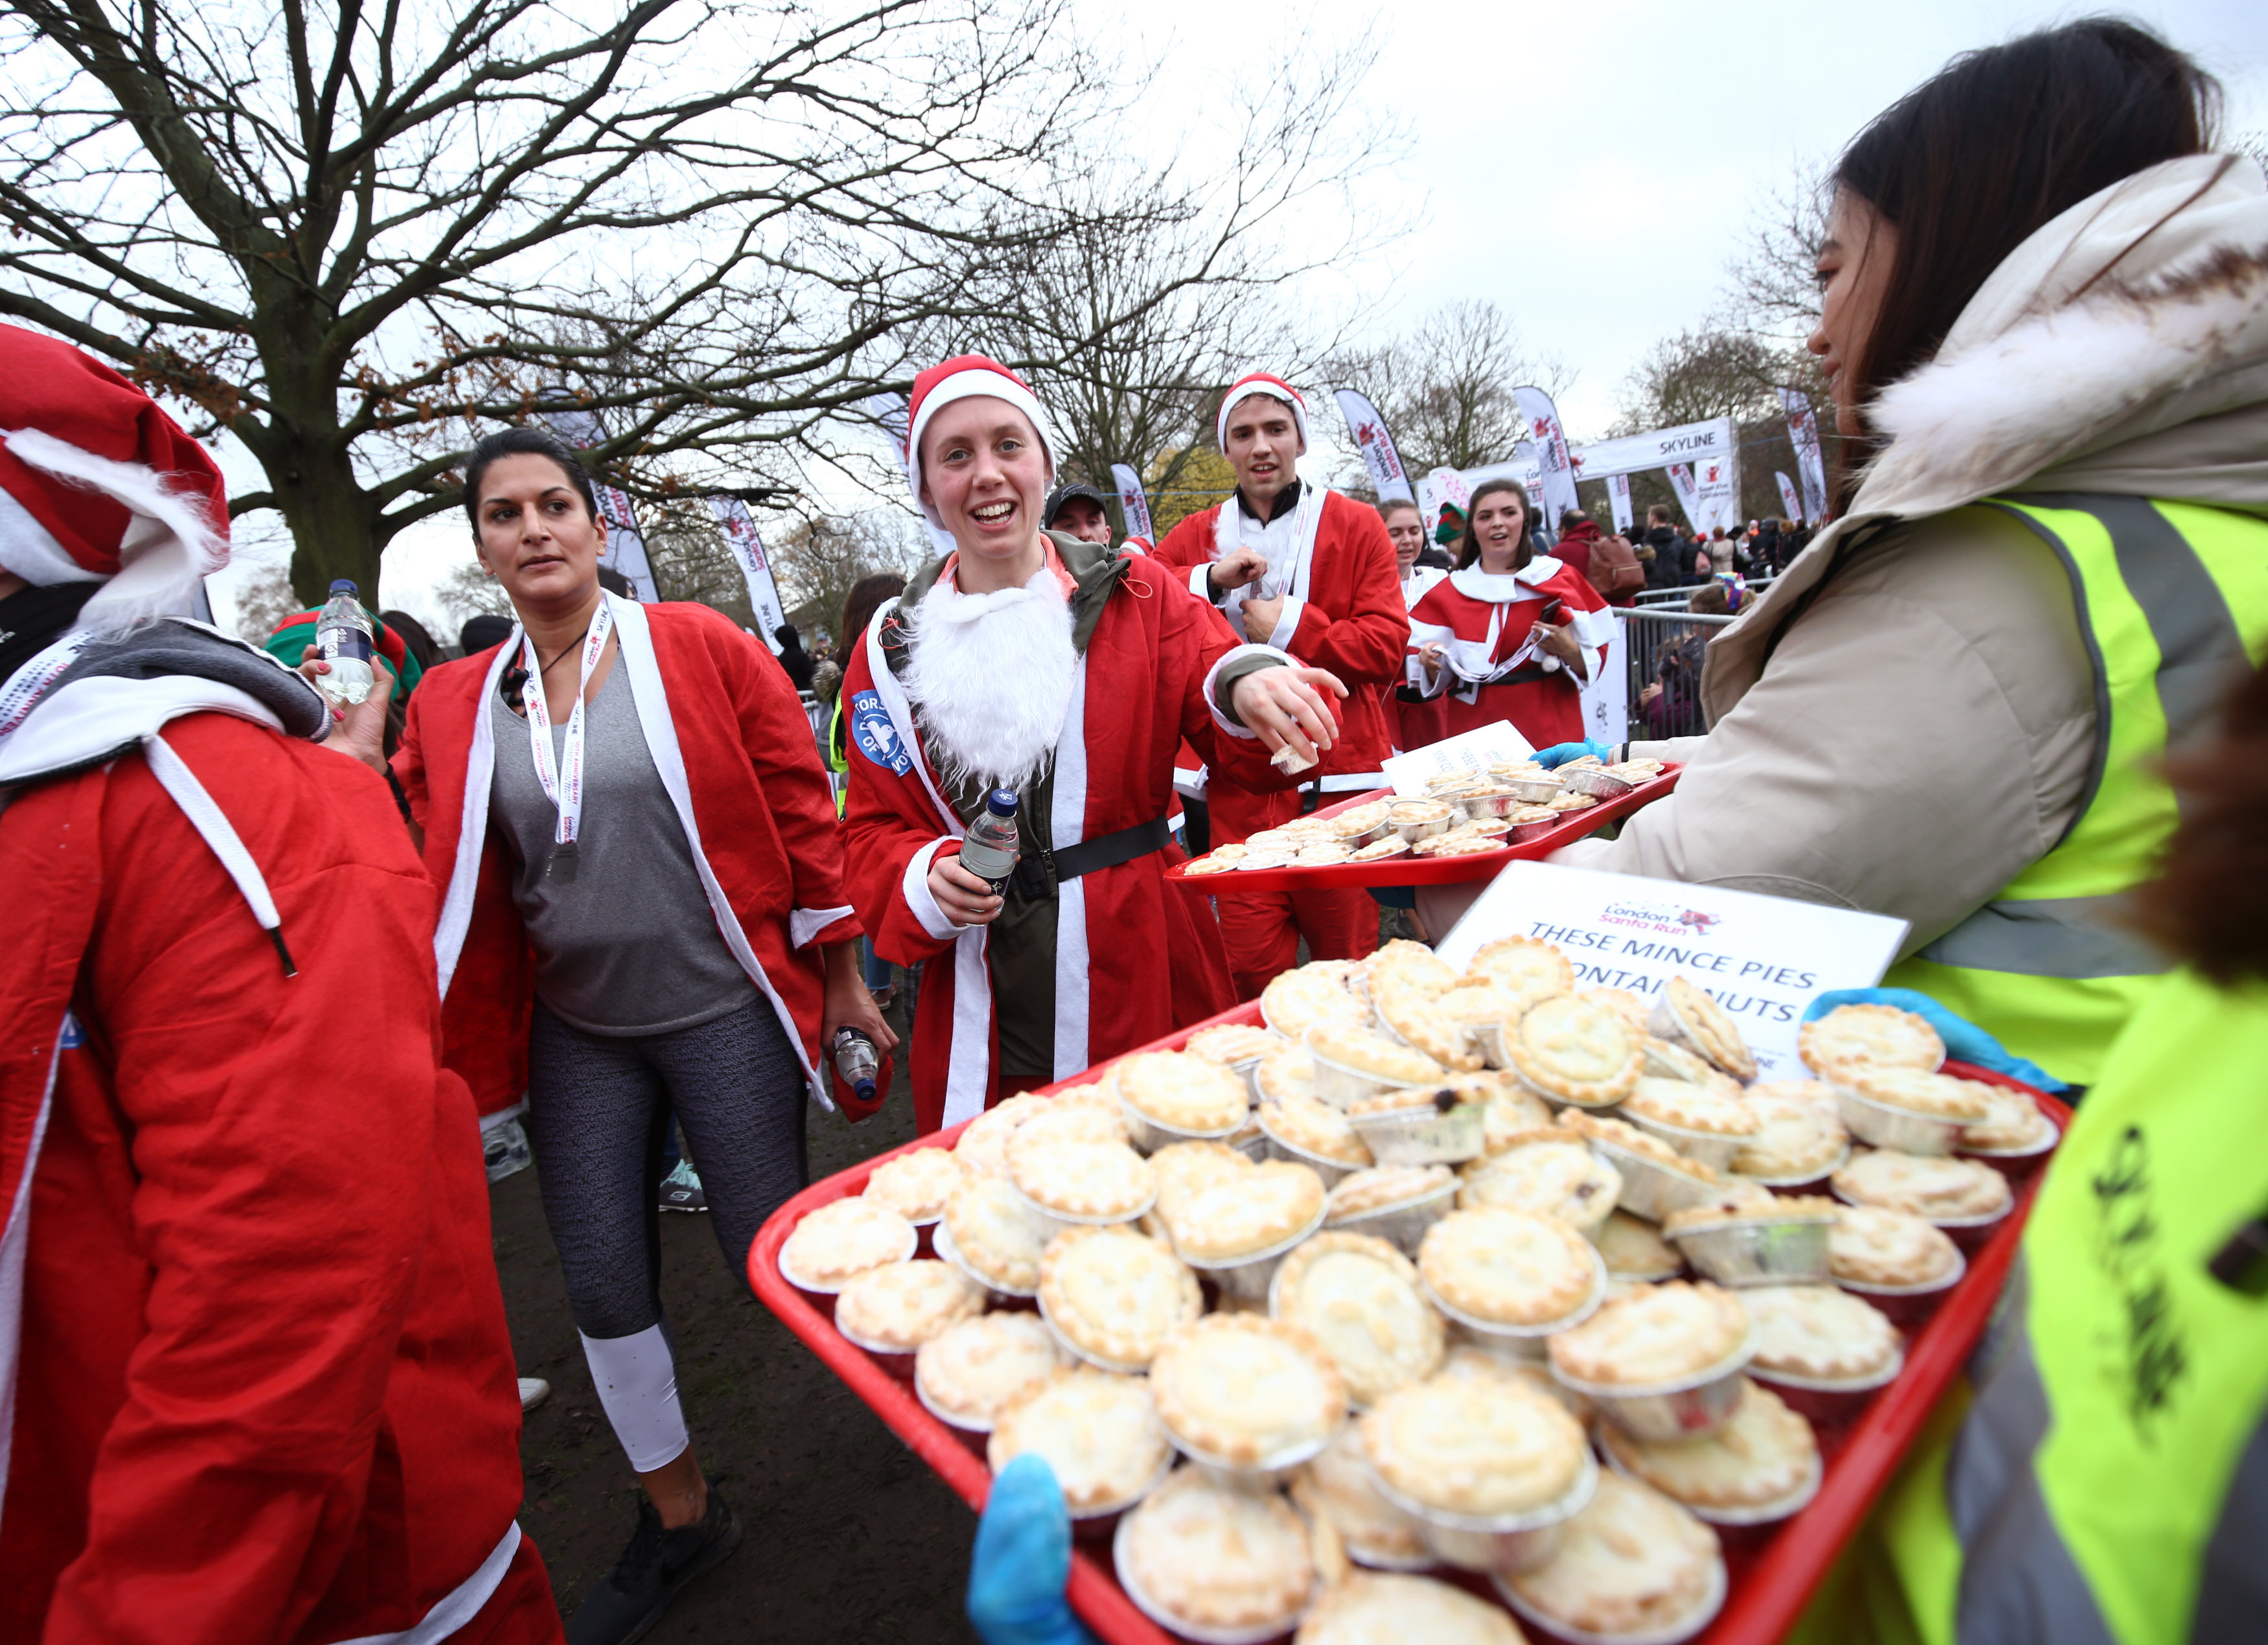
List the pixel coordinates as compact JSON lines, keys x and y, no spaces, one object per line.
{"x":598,"y":1108}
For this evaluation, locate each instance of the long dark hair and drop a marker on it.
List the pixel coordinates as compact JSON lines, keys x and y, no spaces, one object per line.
{"x":523,"y":441}
{"x":1469,"y":546}
{"x":859,"y":606}
{"x":1971,"y":163}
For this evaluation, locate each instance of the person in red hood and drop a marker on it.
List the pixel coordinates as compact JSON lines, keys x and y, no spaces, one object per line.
{"x":1579,"y":533}
{"x":249,"y":1395}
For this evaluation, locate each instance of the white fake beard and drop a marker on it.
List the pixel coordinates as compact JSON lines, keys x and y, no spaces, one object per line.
{"x":989,"y":675}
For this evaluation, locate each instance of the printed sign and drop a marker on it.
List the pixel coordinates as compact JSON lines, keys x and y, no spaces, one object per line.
{"x":874,"y":736}
{"x":1762,"y":958}
{"x":1496,"y":740}
{"x":1376,"y":444}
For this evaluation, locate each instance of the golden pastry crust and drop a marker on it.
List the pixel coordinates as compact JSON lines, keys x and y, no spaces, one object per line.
{"x":1415,"y":813}
{"x":1286,"y":1072}
{"x":1380,"y":1608}
{"x":1402,"y":961}
{"x":1212,"y":862}
{"x":1623,"y":1135}
{"x":1358,"y":818}
{"x":1532,"y":970}
{"x":1393,"y":845}
{"x":996,"y":1234}
{"x":1513,"y":1111}
{"x":1314,"y":1126}
{"x":917,"y":1185}
{"x":1798,"y":1132}
{"x":1183,"y":1093}
{"x":1819,"y":1332}
{"x":1553,"y":1173}
{"x":1507,"y":1267}
{"x":1868,"y":1036}
{"x":1372,"y":1055}
{"x":1623,"y":1003}
{"x":1077,"y":1175}
{"x":899,"y":1305}
{"x":1382,"y":1187}
{"x":1568,"y":800}
{"x":1114,"y":1294}
{"x":1099,"y":1432}
{"x":1480,"y":1003}
{"x":2013,"y":1122}
{"x":1215,"y":1557}
{"x":1241,"y":1215}
{"x":981,"y":1149}
{"x":1413,"y":1098}
{"x":1231,"y":1043}
{"x":1690,"y":1107}
{"x":1711,"y":1029}
{"x":1632,"y":1561}
{"x":1744,"y":1207}
{"x":1764,"y":1454}
{"x":1185,"y":1169}
{"x":1336,"y":1487}
{"x":1667,"y":1061}
{"x":1660,"y":1334}
{"x":1324,"y":855}
{"x":1297,"y":1000}
{"x":844,"y":1237}
{"x":1457,"y":844}
{"x":1090,"y":1118}
{"x":1939,"y":1188}
{"x":1572,"y":1050}
{"x":1635,"y":1250}
{"x":1242,"y":1389}
{"x":1478,"y":1445}
{"x":1872,"y":1246}
{"x":1935,"y":1095}
{"x":1426,"y":1028}
{"x":975,"y":1368}
{"x":1356,"y":1297}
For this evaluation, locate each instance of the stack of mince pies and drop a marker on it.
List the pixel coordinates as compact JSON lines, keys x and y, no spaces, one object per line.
{"x":1478,"y":1273}
{"x":1463,"y":813}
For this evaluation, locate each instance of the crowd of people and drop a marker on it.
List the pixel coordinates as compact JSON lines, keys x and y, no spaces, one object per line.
{"x":592,"y":877}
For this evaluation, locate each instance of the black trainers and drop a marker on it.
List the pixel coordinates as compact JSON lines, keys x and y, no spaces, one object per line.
{"x":682,"y":1190}
{"x":657,"y":1564}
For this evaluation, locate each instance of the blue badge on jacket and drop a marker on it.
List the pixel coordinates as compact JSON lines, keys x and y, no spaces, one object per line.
{"x":877,"y":738}
{"x":74,"y":1037}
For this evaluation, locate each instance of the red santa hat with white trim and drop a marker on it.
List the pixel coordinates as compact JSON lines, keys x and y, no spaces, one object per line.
{"x":965,"y":377}
{"x":98,"y":485}
{"x":1261,"y":383}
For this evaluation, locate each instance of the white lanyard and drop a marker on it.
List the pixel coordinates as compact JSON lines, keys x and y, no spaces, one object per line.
{"x":564,"y":787}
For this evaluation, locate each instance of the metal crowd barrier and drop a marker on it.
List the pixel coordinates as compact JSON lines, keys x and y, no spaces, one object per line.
{"x":1663,"y":647}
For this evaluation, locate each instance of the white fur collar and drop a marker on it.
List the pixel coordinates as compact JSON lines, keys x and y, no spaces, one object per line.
{"x":1475,"y":584}
{"x":990,"y":678}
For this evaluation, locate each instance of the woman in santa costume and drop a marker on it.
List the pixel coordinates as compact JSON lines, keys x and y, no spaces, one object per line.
{"x":1298,"y":567}
{"x":248,"y":1395}
{"x":1478,"y":638}
{"x":644,"y":907}
{"x":1068,"y":673}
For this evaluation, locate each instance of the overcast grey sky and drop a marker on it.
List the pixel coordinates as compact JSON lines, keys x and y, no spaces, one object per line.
{"x":1589,"y":168}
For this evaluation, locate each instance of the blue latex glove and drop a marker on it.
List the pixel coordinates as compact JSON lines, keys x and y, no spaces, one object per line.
{"x":1022,"y":1562}
{"x":1963,"y":1039}
{"x":1559,"y":753}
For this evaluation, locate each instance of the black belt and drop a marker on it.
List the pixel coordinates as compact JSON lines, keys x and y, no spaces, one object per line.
{"x":1039,"y":872}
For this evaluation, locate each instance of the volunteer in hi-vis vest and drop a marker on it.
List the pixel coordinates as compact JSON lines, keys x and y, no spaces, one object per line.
{"x":1299,"y":568}
{"x":2105,"y":1478}
{"x":2043,"y":329}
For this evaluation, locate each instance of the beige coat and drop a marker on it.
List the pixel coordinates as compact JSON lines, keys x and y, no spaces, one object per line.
{"x":1922,"y":730}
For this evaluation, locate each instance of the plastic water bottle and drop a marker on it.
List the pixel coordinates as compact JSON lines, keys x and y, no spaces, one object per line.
{"x":989,"y":850}
{"x":343,"y":635}
{"x":856,"y":1062}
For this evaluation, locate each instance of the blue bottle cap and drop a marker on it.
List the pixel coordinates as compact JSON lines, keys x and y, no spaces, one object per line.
{"x":1001,"y":801}
{"x":344,"y":585}
{"x":866,"y":1091}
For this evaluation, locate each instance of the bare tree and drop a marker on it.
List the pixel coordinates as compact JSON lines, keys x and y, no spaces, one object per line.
{"x":353,"y":236}
{"x":818,"y":559}
{"x":1445,"y":389}
{"x":1772,"y":286}
{"x":466,"y":590}
{"x":264,"y":600}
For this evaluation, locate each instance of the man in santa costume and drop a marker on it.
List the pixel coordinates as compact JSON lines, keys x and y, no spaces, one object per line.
{"x":244,"y":1394}
{"x":1068,"y":674}
{"x":1298,"y":567}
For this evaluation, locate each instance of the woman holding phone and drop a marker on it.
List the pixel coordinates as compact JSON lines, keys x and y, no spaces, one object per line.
{"x":1510,"y":634}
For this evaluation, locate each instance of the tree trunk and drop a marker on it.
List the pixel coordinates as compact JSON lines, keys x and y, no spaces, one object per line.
{"x":333,"y":518}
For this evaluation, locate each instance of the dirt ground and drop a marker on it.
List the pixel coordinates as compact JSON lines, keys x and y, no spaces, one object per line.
{"x":849,"y":1537}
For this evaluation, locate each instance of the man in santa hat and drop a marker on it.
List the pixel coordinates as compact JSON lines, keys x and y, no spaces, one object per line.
{"x":1066,"y":673}
{"x":1295,"y":566}
{"x":243,"y":1394}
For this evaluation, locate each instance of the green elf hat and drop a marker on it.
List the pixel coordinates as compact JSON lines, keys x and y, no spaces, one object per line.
{"x":1452,"y":526}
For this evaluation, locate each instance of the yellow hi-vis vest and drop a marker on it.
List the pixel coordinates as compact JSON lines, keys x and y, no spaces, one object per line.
{"x":2173,"y":607}
{"x":2108,"y":1484}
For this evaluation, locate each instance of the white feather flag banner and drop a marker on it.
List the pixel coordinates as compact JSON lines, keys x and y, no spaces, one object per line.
{"x":1551,"y":455}
{"x":1376,"y":442}
{"x":579,"y":428}
{"x":1618,"y":500}
{"x":1788,"y":499}
{"x":1803,"y":434}
{"x":1134,"y":501}
{"x":748,"y":551}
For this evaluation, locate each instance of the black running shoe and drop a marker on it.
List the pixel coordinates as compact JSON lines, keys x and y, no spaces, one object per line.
{"x":682,"y":1190}
{"x":657,"y":1564}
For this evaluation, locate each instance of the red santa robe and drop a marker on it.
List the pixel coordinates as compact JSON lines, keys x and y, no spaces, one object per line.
{"x":1481,"y":622}
{"x":734,"y":750}
{"x":1343,"y":610}
{"x":251,"y":1339}
{"x":1134,"y":958}
{"x":1416,"y":724}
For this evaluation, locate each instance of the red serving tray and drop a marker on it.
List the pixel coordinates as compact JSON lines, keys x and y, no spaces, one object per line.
{"x":1774,"y":1573}
{"x":1420,"y":870}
